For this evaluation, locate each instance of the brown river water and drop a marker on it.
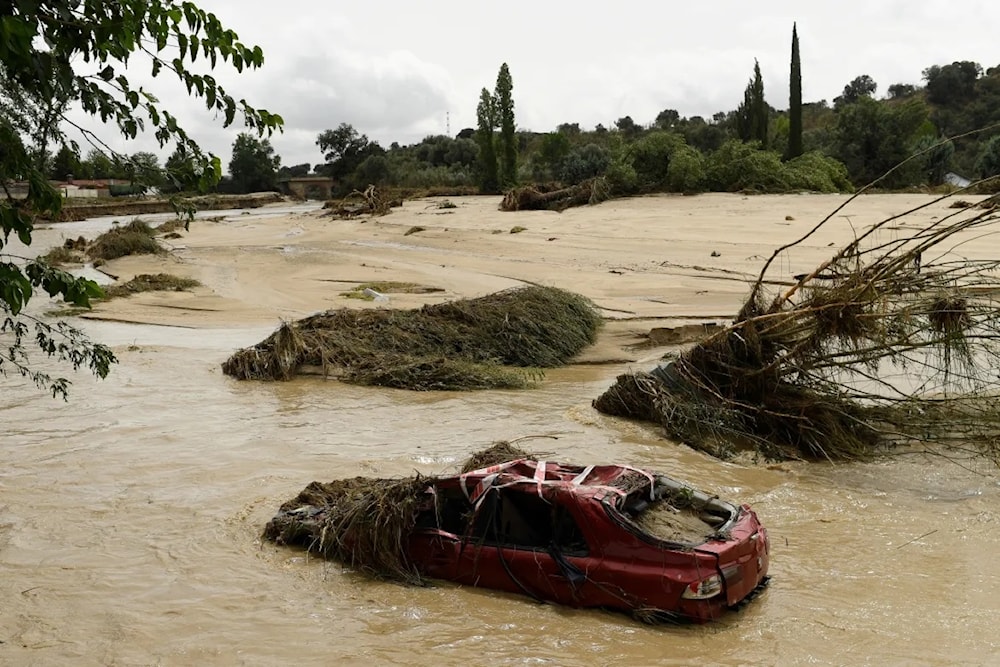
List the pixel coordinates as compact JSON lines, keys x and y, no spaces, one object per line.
{"x":130,"y":519}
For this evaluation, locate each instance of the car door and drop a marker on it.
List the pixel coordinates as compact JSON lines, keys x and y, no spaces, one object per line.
{"x":514,"y":544}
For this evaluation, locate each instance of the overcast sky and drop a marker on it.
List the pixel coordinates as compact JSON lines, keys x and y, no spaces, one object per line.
{"x":396,"y":70}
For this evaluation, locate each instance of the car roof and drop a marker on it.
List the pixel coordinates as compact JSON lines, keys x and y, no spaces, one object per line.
{"x":586,"y":482}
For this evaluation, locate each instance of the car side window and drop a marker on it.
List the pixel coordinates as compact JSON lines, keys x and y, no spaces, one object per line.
{"x":449,"y":511}
{"x":568,"y":537}
{"x":523,"y":520}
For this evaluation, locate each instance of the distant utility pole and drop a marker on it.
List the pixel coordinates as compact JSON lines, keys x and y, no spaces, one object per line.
{"x":447,"y":122}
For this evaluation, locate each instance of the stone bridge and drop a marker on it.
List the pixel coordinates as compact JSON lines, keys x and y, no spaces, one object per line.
{"x":307,"y":187}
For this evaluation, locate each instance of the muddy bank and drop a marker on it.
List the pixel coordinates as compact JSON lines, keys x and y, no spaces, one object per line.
{"x":147,"y":205}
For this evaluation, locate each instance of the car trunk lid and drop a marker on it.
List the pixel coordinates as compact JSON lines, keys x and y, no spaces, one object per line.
{"x":743,"y":558}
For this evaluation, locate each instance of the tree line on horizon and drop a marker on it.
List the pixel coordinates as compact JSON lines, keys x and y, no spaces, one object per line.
{"x":815,"y":146}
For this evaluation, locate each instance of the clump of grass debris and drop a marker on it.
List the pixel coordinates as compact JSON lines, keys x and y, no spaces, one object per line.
{"x":171,"y":226}
{"x":61,"y":255}
{"x":378,"y":515}
{"x":497,"y":453}
{"x":366,"y":522}
{"x":517,"y":229}
{"x":135,"y":238}
{"x":416,"y":229}
{"x":466,"y":344}
{"x":70,"y":252}
{"x":145,"y":282}
{"x":439,"y":373}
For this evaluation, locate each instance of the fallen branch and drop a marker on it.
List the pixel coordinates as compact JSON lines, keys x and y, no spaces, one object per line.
{"x":893,"y":340}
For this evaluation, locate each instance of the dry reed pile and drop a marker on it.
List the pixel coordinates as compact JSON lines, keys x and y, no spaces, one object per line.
{"x":495,"y":341}
{"x":893,"y":340}
{"x":145,"y":282}
{"x":499,"y":452}
{"x":135,"y":238}
{"x":361,"y":522}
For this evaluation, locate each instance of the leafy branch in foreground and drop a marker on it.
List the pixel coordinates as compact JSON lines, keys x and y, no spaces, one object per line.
{"x":60,"y":340}
{"x":68,"y":50}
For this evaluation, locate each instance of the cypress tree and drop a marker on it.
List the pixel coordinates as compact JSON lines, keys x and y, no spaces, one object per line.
{"x":743,"y":115}
{"x":505,"y":116}
{"x":759,"y":112}
{"x":753,"y":115}
{"x":795,"y":101}
{"x":486,"y":116}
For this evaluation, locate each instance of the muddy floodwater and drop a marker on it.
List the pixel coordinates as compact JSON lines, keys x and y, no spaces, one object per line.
{"x":130,"y":516}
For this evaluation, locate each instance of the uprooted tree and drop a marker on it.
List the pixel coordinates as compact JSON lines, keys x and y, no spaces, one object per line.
{"x":895,"y":340}
{"x":77,"y":52}
{"x":538,"y":198}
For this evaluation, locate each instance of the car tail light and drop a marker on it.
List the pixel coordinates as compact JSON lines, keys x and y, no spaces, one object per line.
{"x":704,"y":589}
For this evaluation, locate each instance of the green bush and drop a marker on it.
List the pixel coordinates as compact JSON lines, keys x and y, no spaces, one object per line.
{"x":739,"y":166}
{"x":621,"y":178}
{"x":988,"y":162}
{"x":374,"y":170}
{"x":414,"y":175}
{"x":583,"y":163}
{"x":686,"y":172}
{"x":651,"y":158}
{"x":816,"y":172}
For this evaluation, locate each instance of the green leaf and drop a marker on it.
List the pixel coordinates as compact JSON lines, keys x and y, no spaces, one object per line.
{"x":15,"y":288}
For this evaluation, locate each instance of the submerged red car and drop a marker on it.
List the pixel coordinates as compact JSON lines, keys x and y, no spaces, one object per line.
{"x":608,"y":536}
